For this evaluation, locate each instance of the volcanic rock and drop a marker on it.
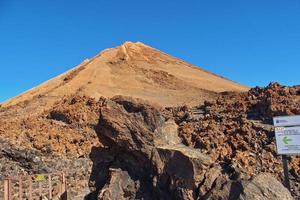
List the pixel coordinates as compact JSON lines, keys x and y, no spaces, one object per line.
{"x":119,"y":187}
{"x":236,"y":131}
{"x":265,"y":187}
{"x":139,"y":130}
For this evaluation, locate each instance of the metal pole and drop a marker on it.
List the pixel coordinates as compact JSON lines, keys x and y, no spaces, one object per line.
{"x":286,"y":172}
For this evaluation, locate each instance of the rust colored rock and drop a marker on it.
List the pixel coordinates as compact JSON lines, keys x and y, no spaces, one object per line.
{"x":237,"y":130}
{"x":227,"y":142}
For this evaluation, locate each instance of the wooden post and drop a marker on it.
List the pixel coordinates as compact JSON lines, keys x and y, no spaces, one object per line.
{"x":30,"y":188}
{"x":40,"y":190}
{"x":63,"y":187}
{"x":50,"y":186}
{"x":7,"y":189}
{"x":20,"y":188}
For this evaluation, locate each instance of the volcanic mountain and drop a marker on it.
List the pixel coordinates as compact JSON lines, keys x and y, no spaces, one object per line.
{"x":98,"y":125}
{"x":132,"y":69}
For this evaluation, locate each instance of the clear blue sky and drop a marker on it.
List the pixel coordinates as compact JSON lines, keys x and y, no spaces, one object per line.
{"x":252,"y":42}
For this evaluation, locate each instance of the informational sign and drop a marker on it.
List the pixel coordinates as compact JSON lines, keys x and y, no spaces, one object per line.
{"x":287,"y":121}
{"x":287,"y":133}
{"x":288,"y":140}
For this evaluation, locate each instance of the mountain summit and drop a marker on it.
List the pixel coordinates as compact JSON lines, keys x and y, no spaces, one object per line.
{"x":132,"y":69}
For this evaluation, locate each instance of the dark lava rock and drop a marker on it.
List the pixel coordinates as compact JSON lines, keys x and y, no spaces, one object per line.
{"x":119,"y":186}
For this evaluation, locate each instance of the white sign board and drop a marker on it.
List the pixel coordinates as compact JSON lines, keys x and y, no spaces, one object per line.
{"x":288,"y":140}
{"x":287,"y":121}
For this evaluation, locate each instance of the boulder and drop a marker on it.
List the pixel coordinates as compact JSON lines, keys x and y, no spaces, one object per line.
{"x":150,"y":149}
{"x":182,"y":170}
{"x":265,"y":187}
{"x":222,"y":188}
{"x":120,"y":186}
{"x":210,"y":180}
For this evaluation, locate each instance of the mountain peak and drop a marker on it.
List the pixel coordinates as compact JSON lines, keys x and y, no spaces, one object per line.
{"x":132,"y":69}
{"x":130,"y":44}
{"x":134,"y":51}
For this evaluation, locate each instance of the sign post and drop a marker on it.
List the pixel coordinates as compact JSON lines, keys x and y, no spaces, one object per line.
{"x":287,"y":134}
{"x":286,"y":172}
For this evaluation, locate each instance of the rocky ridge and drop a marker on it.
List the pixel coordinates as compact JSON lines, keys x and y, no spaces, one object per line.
{"x":134,"y":149}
